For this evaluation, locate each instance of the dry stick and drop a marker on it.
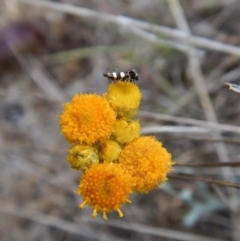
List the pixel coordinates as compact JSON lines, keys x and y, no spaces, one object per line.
{"x":233,"y":87}
{"x":130,"y":23}
{"x":202,"y":179}
{"x":22,"y":95}
{"x":174,"y":129}
{"x":156,"y":40}
{"x":220,"y":69}
{"x":213,"y":164}
{"x":81,"y":228}
{"x":195,"y":68}
{"x":176,"y":119}
{"x":189,"y":96}
{"x":84,"y":231}
{"x":83,"y":52}
{"x":159,"y":232}
{"x":222,"y":196}
{"x":232,"y":141}
{"x":50,"y":221}
{"x":190,"y":39}
{"x":214,"y":81}
{"x":102,"y":17}
{"x":228,"y":77}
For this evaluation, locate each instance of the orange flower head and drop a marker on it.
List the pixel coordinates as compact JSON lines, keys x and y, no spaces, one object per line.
{"x":124,"y":97}
{"x":147,"y":162}
{"x":126,"y":131}
{"x":87,"y":119}
{"x":110,"y":151}
{"x":82,"y":157}
{"x":105,"y":187}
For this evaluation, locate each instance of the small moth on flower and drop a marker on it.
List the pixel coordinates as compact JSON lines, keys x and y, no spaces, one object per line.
{"x":131,"y":75}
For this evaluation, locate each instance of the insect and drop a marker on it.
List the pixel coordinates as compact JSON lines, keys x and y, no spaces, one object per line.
{"x":131,"y":75}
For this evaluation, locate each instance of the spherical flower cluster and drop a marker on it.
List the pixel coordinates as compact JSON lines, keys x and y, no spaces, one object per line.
{"x":105,"y":187}
{"x":147,"y":162}
{"x":87,"y":119}
{"x":107,"y":147}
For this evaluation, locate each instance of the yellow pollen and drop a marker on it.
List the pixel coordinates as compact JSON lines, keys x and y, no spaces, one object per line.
{"x":105,"y":216}
{"x":82,"y":204}
{"x":120,"y":213}
{"x":94,"y":213}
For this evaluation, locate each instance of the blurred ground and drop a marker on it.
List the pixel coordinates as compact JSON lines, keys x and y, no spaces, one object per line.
{"x":38,"y":72}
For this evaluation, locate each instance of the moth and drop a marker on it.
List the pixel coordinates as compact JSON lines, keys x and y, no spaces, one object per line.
{"x":131,"y":75}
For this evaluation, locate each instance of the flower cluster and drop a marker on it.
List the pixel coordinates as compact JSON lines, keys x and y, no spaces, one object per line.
{"x":107,"y":147}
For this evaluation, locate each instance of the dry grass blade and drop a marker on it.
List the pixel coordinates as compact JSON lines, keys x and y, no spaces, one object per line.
{"x":46,"y":220}
{"x":55,"y":222}
{"x":199,"y":82}
{"x":84,"y":52}
{"x":233,"y":141}
{"x":213,"y":164}
{"x":160,"y":232}
{"x":89,"y":233}
{"x":202,"y":179}
{"x":78,"y":41}
{"x":125,"y":21}
{"x":39,"y":75}
{"x":215,"y":126}
{"x":174,"y":129}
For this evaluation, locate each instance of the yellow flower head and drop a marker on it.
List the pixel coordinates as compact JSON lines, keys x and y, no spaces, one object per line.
{"x":110,"y":151}
{"x":105,"y":187}
{"x":87,"y":119}
{"x":124,"y":97}
{"x":147,"y":162}
{"x":126,"y":131}
{"x":81,"y":157}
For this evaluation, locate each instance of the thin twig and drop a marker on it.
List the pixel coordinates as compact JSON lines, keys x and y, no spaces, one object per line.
{"x":151,"y":38}
{"x":202,"y":90}
{"x":84,"y":231}
{"x":210,"y":125}
{"x":156,"y":40}
{"x":150,"y":230}
{"x":211,"y":86}
{"x":213,"y":164}
{"x":202,"y":179}
{"x":233,"y":141}
{"x":51,"y":221}
{"x":174,"y":129}
{"x":86,"y":52}
{"x":233,"y":87}
{"x":223,"y":197}
{"x":126,"y":22}
{"x":191,"y":40}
